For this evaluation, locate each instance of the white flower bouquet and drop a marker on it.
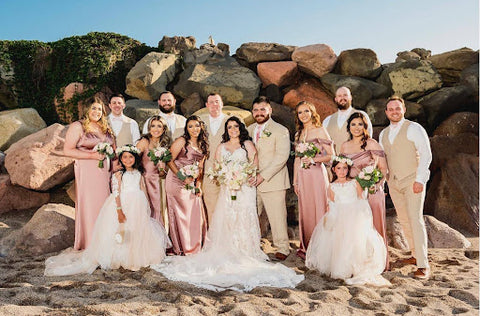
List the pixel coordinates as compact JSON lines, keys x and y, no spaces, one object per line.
{"x":104,"y":149}
{"x":368,"y":178}
{"x":189,"y":171}
{"x":160,"y":154}
{"x":309,"y":150}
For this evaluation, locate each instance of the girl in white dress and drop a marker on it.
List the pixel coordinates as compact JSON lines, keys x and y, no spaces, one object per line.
{"x":345,"y":244}
{"x":124,"y":234}
{"x":231,"y":257}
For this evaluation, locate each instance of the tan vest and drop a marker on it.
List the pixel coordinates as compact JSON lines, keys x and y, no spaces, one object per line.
{"x":338,"y":135}
{"x":213,"y":140}
{"x":124,"y":136}
{"x":402,"y":156}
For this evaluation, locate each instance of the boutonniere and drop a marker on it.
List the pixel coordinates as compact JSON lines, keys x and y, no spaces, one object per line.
{"x":266,"y":133}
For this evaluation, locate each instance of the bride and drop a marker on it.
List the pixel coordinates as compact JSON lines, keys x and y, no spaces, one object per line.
{"x":231,"y":257}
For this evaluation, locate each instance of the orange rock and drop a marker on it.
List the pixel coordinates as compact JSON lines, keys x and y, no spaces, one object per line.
{"x":317,"y":60}
{"x":280,"y":73}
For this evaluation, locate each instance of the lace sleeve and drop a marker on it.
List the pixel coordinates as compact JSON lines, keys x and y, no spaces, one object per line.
{"x":115,"y":186}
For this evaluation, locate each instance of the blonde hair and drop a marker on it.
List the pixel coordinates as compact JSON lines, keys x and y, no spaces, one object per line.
{"x":316,"y":120}
{"x":165,"y":139}
{"x":102,"y":122}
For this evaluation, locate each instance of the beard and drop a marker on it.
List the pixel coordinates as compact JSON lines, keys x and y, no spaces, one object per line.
{"x":166,"y":111}
{"x":260,"y":119}
{"x":344,"y":106}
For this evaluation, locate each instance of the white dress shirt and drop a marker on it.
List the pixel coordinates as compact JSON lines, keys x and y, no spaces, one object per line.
{"x":259,"y":129}
{"x":344,"y":115}
{"x":117,"y":121}
{"x":215,"y":123}
{"x":416,"y":134}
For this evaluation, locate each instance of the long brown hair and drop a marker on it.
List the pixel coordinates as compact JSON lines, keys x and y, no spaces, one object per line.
{"x":317,"y":122}
{"x":165,"y":140}
{"x":202,"y":137}
{"x":365,"y":136}
{"x":102,"y":122}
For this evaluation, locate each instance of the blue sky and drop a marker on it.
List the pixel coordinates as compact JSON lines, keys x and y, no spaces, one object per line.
{"x":386,"y":26}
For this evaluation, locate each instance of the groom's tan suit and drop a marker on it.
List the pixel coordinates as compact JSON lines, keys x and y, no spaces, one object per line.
{"x":273,"y":148}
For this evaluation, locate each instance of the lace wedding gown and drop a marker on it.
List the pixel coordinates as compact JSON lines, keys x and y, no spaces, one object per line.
{"x":345,"y":244}
{"x":144,"y":242}
{"x":231,"y":257}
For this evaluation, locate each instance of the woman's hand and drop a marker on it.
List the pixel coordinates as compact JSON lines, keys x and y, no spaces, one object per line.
{"x":295,"y":188}
{"x":121,"y":216}
{"x":188,"y":180}
{"x":97,"y":156}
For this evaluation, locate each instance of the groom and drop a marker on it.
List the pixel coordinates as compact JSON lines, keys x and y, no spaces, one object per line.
{"x":273,"y":146}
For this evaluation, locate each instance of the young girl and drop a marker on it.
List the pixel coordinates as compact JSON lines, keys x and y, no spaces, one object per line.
{"x":124,"y":234}
{"x":345,"y":244}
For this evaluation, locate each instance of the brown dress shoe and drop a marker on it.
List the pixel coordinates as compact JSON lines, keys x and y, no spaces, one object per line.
{"x":422,"y":273}
{"x":280,"y":256}
{"x":410,"y":260}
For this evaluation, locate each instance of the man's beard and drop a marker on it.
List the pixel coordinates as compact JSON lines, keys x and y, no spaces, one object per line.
{"x":262,"y":119}
{"x":342,"y":106}
{"x":167,"y":111}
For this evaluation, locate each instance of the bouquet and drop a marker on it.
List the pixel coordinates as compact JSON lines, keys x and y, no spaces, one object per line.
{"x":233,"y":174}
{"x":160,"y":154}
{"x":120,"y":234}
{"x":308,"y":150}
{"x":105,"y":149}
{"x":189,"y":171}
{"x":368,"y":178}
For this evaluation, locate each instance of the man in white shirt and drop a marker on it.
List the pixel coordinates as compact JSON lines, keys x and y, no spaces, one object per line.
{"x":125,"y":129}
{"x":176,"y":122}
{"x":336,"y":124}
{"x":407,"y":149}
{"x":215,"y":123}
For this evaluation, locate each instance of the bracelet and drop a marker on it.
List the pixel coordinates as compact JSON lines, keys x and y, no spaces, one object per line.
{"x":119,"y":207}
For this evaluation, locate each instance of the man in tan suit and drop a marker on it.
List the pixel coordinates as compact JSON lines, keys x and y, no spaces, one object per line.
{"x":125,"y":129}
{"x":336,"y":124}
{"x":407,"y":149}
{"x":272,"y":141}
{"x":215,"y":123}
{"x":176,"y":122}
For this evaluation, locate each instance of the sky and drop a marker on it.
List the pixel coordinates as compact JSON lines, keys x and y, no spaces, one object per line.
{"x":385,"y":26}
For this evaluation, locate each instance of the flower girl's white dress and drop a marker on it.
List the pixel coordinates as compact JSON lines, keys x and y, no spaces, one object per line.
{"x":231,"y":257}
{"x":144,"y":240}
{"x":345,"y":244}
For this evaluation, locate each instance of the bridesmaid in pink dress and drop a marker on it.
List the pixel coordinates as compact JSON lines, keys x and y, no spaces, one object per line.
{"x":310,"y":184}
{"x":186,"y":215}
{"x":157,"y":137}
{"x":365,"y":151}
{"x":92,"y":184}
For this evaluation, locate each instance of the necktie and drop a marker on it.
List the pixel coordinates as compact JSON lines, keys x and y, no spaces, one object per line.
{"x":257,"y":135}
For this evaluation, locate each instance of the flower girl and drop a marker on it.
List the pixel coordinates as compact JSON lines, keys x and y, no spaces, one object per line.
{"x":124,"y":234}
{"x":345,"y":244}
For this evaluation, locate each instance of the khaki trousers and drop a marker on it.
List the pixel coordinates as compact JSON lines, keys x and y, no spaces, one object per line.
{"x":210,"y":196}
{"x":274,"y":204}
{"x":409,"y":207}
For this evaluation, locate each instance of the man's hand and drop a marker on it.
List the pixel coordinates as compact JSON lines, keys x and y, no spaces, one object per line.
{"x":259,"y":179}
{"x":417,"y":187}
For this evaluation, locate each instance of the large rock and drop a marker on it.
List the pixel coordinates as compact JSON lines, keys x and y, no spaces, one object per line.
{"x":360,"y":62}
{"x":376,"y":111}
{"x":284,"y":115}
{"x":150,"y":75}
{"x":191,"y":104}
{"x":51,"y":229}
{"x":280,"y":73}
{"x":407,"y":55}
{"x":396,"y":237}
{"x":450,"y":64}
{"x":422,"y":52}
{"x":410,"y":79}
{"x":140,"y":110}
{"x":17,"y":124}
{"x":440,"y":104}
{"x":246,"y":116}
{"x":446,"y":147}
{"x":13,"y":197}
{"x":206,"y":54}
{"x":453,"y":194}
{"x":440,"y":235}
{"x":176,"y":44}
{"x":458,"y":123}
{"x":363,"y":90}
{"x":259,"y":52}
{"x":316,"y":60}
{"x":469,"y":78}
{"x":311,"y":90}
{"x":237,"y":85}
{"x":36,"y":162}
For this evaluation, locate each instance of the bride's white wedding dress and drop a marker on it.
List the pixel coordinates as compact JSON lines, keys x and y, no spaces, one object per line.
{"x":231,"y":257}
{"x":345,"y":244}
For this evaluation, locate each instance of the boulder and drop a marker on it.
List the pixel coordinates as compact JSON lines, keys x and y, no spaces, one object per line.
{"x":407,"y":55}
{"x":469,"y":78}
{"x":458,"y":123}
{"x":422,"y":52}
{"x":207,"y":54}
{"x":246,"y":116}
{"x":440,"y":235}
{"x":36,"y":162}
{"x":140,"y":110}
{"x":191,"y":104}
{"x":286,"y":116}
{"x":450,"y":64}
{"x":2,"y":162}
{"x":311,"y":90}
{"x":280,"y":73}
{"x":17,"y":124}
{"x":453,"y":194}
{"x":14,"y":197}
{"x":362,"y":89}
{"x":440,"y":104}
{"x":259,"y":52}
{"x":376,"y":111}
{"x":51,"y":229}
{"x":237,"y":85}
{"x":316,"y":60}
{"x":360,"y":62}
{"x":395,"y":235}
{"x":150,"y":75}
{"x":273,"y":92}
{"x":445,"y":147}
{"x":176,"y":44}
{"x":410,"y":79}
